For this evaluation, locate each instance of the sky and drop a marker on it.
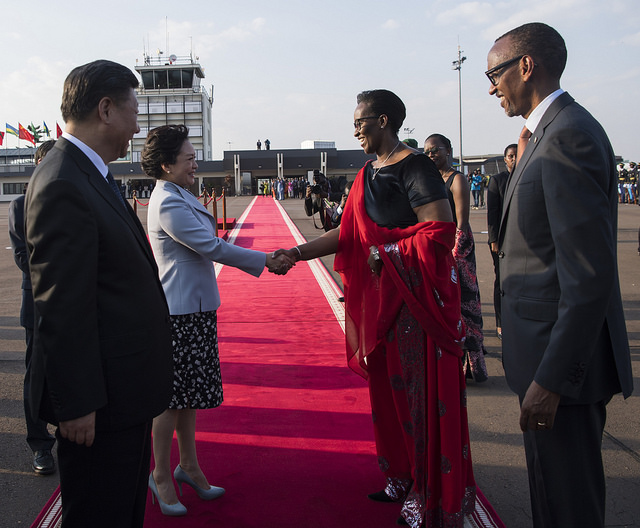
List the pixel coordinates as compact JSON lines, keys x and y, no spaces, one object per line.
{"x":290,"y":70}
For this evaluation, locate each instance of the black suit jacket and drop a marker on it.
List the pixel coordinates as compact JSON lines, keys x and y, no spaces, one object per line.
{"x":102,"y":337}
{"x":562,"y":319}
{"x":21,"y":257}
{"x":495,"y":197}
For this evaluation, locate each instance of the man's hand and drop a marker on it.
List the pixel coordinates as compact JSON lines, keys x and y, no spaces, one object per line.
{"x":494,"y":247}
{"x":82,"y":430}
{"x":279,"y":262}
{"x":538,"y":408}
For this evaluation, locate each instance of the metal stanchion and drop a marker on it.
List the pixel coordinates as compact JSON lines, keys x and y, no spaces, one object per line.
{"x":135,"y":202}
{"x":224,"y":210}
{"x":215,"y":209}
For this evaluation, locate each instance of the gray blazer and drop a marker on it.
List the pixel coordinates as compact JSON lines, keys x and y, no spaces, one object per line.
{"x":562,"y":318}
{"x":182,"y":235}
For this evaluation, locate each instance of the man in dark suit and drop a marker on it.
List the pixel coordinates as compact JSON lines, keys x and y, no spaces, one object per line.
{"x":39,"y":439}
{"x":101,"y":367}
{"x":565,"y":347}
{"x":495,"y":197}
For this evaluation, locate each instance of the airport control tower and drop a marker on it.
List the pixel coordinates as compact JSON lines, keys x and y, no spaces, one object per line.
{"x":171,"y":93}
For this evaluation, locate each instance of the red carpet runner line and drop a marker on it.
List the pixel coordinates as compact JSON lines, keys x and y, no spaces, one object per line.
{"x":292,"y":443}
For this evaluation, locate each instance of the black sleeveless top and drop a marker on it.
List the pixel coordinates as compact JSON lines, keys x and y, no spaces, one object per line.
{"x":452,"y":202}
{"x":398,"y":188}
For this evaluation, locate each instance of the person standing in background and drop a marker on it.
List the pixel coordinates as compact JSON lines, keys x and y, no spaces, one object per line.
{"x":495,"y":196}
{"x":39,"y":439}
{"x":439,"y":150}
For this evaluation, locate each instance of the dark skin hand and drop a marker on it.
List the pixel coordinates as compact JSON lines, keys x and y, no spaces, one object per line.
{"x":538,"y":408}
{"x":433,"y":211}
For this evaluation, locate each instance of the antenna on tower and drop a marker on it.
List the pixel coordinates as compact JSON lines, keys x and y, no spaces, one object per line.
{"x":166,"y":32}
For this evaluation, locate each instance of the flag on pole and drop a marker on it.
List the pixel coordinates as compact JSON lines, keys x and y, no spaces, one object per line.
{"x":26,"y":135}
{"x":1,"y":137}
{"x":46,"y":129}
{"x":12,"y":130}
{"x":58,"y":130}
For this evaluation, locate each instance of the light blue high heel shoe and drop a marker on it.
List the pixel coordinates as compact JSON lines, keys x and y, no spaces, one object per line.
{"x":205,"y":494}
{"x":174,"y":510}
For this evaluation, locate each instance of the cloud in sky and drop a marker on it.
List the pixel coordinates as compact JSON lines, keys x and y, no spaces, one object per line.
{"x":391,"y":24}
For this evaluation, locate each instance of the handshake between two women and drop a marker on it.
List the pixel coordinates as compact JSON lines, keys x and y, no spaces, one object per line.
{"x":281,"y":261}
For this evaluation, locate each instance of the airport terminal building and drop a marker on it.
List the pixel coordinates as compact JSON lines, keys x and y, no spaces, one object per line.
{"x":171,"y":91}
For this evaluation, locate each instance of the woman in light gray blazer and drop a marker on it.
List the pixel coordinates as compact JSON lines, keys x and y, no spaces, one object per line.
{"x":182,"y":235}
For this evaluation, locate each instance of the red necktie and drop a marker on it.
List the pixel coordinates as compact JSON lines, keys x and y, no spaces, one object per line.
{"x":523,"y":141}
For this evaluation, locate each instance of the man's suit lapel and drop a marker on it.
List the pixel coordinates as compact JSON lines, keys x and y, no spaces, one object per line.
{"x":98,"y":182}
{"x":548,"y":117}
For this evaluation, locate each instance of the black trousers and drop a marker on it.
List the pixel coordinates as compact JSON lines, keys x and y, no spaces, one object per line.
{"x":105,"y":485}
{"x":497,"y":301}
{"x":38,"y":436}
{"x":566,"y":476}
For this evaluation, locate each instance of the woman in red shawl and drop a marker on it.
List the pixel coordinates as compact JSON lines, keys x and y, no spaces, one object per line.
{"x":403,"y":326}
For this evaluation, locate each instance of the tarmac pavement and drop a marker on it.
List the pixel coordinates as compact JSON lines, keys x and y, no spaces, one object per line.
{"x":497,"y":447}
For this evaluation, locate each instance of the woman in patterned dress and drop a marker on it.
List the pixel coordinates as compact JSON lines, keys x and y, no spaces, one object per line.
{"x":438,"y":148}
{"x":402,"y":322}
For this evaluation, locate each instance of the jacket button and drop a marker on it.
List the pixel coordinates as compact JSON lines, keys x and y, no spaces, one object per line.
{"x":501,"y":254}
{"x":501,"y":293}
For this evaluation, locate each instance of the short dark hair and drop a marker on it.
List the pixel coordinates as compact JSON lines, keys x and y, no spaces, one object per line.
{"x":42,"y":150}
{"x":86,"y":85}
{"x":443,"y":139}
{"x":387,"y":103}
{"x":541,"y":42}
{"x":513,"y":146}
{"x":162,"y":147}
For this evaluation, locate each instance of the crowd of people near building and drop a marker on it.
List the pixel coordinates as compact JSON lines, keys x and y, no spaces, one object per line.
{"x":283,"y":188}
{"x":628,"y":183}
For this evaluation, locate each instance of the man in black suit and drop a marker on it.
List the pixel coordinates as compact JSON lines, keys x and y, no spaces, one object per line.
{"x":39,"y":439}
{"x":565,"y":346}
{"x":101,"y":367}
{"x":495,"y":196}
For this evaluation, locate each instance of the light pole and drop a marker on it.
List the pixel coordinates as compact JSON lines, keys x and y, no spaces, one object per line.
{"x":457,"y":65}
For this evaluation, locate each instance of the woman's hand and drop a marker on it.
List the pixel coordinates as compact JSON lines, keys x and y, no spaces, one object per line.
{"x":279,"y":262}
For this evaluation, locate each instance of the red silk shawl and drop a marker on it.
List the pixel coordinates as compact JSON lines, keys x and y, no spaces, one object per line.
{"x":372,"y":303}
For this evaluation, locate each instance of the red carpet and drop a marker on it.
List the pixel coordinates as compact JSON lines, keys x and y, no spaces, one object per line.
{"x":292,"y":443}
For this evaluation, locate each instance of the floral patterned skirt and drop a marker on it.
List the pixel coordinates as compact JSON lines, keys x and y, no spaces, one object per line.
{"x":197,"y":383}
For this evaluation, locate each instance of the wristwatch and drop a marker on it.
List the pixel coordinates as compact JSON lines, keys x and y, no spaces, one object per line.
{"x":375,"y":253}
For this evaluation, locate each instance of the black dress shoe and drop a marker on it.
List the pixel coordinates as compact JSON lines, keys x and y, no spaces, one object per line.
{"x":43,"y":463}
{"x":380,"y":496}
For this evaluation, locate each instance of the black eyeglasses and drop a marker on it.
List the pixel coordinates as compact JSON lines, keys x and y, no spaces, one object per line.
{"x":491,"y":74}
{"x":357,"y":124}
{"x":433,"y":150}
